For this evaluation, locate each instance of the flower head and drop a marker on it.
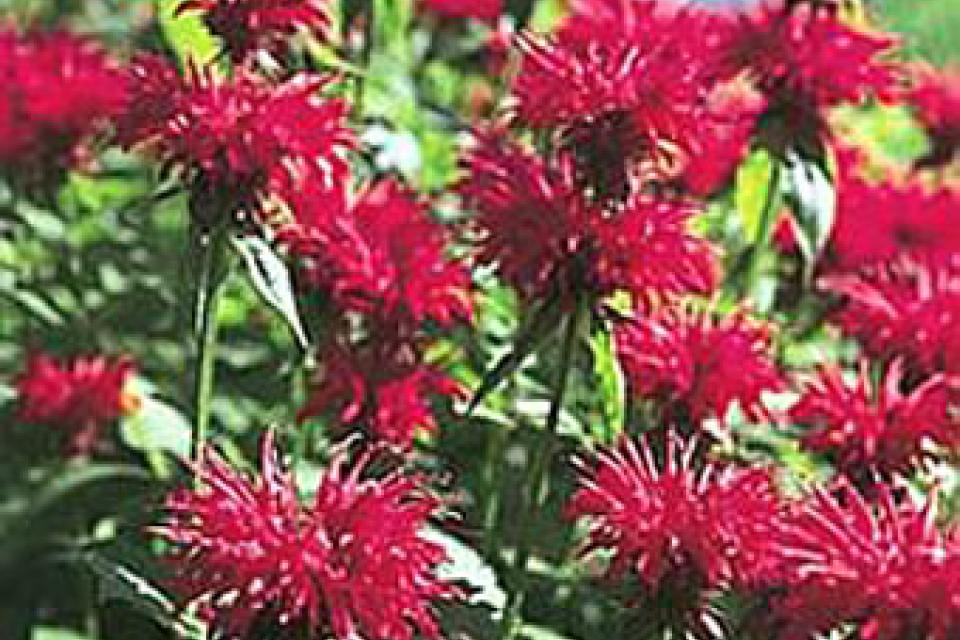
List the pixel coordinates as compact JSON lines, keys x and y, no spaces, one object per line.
{"x":384,"y":257}
{"x":354,"y":564}
{"x":886,"y":569}
{"x":487,"y":10}
{"x":935,"y":97}
{"x":805,"y":60}
{"x":906,"y":309}
{"x":546,"y":238}
{"x":58,"y":91}
{"x":626,"y":88}
{"x":698,"y":367}
{"x":883,"y":430}
{"x":666,"y":518}
{"x":383,"y":388}
{"x":248,"y":26}
{"x":79,"y":397}
{"x":878,"y":222}
{"x":235,"y":141}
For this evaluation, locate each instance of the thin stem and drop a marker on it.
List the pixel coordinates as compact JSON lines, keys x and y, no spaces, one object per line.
{"x":209,"y":293}
{"x":538,"y":480}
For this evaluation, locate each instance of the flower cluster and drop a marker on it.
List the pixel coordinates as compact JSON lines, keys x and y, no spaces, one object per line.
{"x":804,"y":61}
{"x":935,"y":98}
{"x":904,"y":309}
{"x":59,"y":90}
{"x":886,"y":568}
{"x":630,"y":93}
{"x":355,"y":563}
{"x":696,"y":367}
{"x":670,"y":521}
{"x":236,"y":141}
{"x":904,"y":219}
{"x":251,"y":26}
{"x":79,"y":397}
{"x":883,"y":431}
{"x":547,"y":239}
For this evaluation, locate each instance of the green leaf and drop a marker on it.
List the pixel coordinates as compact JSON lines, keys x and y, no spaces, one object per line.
{"x":612,"y":385}
{"x":186,"y":34}
{"x":467,"y":567}
{"x":813,"y":201}
{"x":753,"y":182}
{"x":56,"y":633}
{"x":157,"y":427}
{"x":270,"y":277}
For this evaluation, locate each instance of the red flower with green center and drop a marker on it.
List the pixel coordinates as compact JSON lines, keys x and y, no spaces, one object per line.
{"x":883,"y":430}
{"x":546,"y":239}
{"x":382,"y":388}
{"x":79,"y":397}
{"x":695,"y":366}
{"x":237,"y":140}
{"x":668,"y":520}
{"x":59,"y":90}
{"x":907,"y":309}
{"x":628,"y":90}
{"x":249,"y":26}
{"x":886,"y":570}
{"x":384,"y":257}
{"x":355,"y":563}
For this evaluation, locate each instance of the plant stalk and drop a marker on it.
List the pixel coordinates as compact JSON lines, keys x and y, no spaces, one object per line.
{"x":538,"y":478}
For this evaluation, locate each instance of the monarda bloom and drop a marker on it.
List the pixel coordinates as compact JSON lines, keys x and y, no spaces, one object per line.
{"x":886,"y":571}
{"x":354,"y":564}
{"x":58,"y":92}
{"x":79,"y":397}
{"x":677,"y":527}
{"x":547,"y":240}
{"x":486,"y":10}
{"x":877,"y":222}
{"x":807,"y":60}
{"x":384,"y":256}
{"x":382,"y":388}
{"x":695,"y":366}
{"x":236,"y":141}
{"x":249,"y":26}
{"x":935,"y":98}
{"x":882,"y":431}
{"x":907,"y":309}
{"x":628,"y":90}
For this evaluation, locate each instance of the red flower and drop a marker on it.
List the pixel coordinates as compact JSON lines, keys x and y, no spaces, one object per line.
{"x":888,"y":570}
{"x":384,"y":257}
{"x":58,"y":91}
{"x":881,"y":430}
{"x":546,"y":239}
{"x":487,"y":10}
{"x":877,"y":222}
{"x":935,"y":98}
{"x":697,"y":367}
{"x":248,"y":26}
{"x":806,"y":60}
{"x":627,"y":88}
{"x":383,"y":388}
{"x":907,"y":309}
{"x":353,"y":564}
{"x":235,"y":140}
{"x":80,"y":397}
{"x":661,"y":520}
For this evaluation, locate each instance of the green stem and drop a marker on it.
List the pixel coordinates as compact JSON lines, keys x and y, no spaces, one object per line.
{"x":538,"y":479}
{"x":209,"y":293}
